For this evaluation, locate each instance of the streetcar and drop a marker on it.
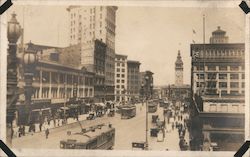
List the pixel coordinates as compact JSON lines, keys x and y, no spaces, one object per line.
{"x":98,"y":137}
{"x":38,"y":115}
{"x":165,"y":104}
{"x":168,"y":112}
{"x":128,"y":111}
{"x":152,"y":107}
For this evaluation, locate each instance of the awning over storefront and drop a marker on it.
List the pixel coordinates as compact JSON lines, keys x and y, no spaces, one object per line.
{"x":224,"y":130}
{"x":64,"y":108}
{"x":44,"y":109}
{"x":109,"y":102}
{"x":88,"y":104}
{"x":73,"y":106}
{"x":100,"y":104}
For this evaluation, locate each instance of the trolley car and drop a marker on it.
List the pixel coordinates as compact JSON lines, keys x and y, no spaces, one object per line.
{"x":152,"y":107}
{"x":164,"y":104}
{"x":39,"y":115}
{"x":101,"y":137}
{"x":128,"y":112}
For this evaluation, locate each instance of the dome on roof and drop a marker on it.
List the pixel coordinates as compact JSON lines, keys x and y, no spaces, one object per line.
{"x":218,"y":31}
{"x":218,"y":36}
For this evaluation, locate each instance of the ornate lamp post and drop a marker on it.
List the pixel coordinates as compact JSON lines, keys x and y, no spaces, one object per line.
{"x":29,"y":61}
{"x":147,"y":89}
{"x":104,"y":91}
{"x":124,"y":95}
{"x":64,"y":104}
{"x":13,"y":33}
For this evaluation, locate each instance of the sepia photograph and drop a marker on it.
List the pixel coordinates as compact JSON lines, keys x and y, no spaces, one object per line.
{"x":117,"y":77}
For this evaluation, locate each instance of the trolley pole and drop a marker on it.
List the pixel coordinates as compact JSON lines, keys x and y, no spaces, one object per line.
{"x":146,"y":146}
{"x":146,"y":91}
{"x":65,"y":99}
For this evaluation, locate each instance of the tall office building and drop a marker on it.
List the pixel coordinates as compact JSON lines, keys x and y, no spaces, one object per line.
{"x":133,"y":85}
{"x":218,"y":89}
{"x":88,"y":23}
{"x":121,"y":77}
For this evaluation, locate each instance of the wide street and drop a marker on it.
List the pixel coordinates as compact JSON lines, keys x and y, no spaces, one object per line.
{"x":127,"y":131}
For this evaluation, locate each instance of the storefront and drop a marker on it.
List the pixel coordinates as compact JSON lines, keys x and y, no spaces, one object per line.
{"x":25,"y":111}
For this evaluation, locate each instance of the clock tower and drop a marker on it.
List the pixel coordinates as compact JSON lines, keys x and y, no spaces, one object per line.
{"x":179,"y":70}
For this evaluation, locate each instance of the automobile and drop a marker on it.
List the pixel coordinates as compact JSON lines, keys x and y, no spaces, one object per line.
{"x":91,"y":116}
{"x":111,"y":113}
{"x":214,"y":146}
{"x":99,"y":114}
{"x":154,"y":132}
{"x":154,"y":118}
{"x":128,"y":111}
{"x":183,"y":144}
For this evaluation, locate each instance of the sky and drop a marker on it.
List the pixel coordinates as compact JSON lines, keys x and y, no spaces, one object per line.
{"x":151,"y":35}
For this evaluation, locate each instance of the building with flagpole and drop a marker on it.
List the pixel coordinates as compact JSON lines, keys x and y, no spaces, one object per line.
{"x":217,"y":90}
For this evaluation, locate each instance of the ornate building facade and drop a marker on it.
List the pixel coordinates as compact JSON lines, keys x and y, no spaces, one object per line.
{"x":217,"y":89}
{"x":54,"y":84}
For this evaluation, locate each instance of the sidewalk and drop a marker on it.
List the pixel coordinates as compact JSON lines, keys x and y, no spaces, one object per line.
{"x":171,"y":140}
{"x":51,"y":126}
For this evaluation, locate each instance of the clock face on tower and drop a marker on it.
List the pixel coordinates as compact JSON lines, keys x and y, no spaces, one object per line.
{"x":179,"y":77}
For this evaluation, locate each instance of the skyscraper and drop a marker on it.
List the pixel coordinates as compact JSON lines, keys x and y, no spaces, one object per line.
{"x":179,"y":70}
{"x":133,"y":81}
{"x":121,"y":77}
{"x":88,"y":23}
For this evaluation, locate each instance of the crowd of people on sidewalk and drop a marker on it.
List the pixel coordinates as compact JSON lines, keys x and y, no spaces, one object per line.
{"x":178,"y":121}
{"x":44,"y":123}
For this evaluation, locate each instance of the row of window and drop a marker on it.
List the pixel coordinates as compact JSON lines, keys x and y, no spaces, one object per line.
{"x":93,"y":10}
{"x":232,"y":84}
{"x":224,"y":108}
{"x":62,"y":78}
{"x":120,"y":64}
{"x":120,"y":70}
{"x":211,"y":84}
{"x":221,"y":76}
{"x":215,"y":40}
{"x":221,"y":68}
{"x":118,"y":86}
{"x":133,"y":70}
{"x":118,"y":81}
{"x":123,"y":70}
{"x":120,"y":75}
{"x":91,"y":34}
{"x":222,"y":52}
{"x":61,"y":93}
{"x":120,"y":92}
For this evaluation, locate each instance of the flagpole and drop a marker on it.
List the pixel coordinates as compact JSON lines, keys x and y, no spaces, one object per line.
{"x":204,"y":41}
{"x":204,"y":29}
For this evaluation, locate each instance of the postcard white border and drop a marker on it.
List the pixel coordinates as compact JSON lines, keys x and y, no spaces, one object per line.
{"x":127,"y":153}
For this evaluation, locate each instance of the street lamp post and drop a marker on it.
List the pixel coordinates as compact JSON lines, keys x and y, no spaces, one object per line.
{"x":147,"y":93}
{"x":104,"y":90}
{"x":29,"y":61}
{"x":13,"y":33}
